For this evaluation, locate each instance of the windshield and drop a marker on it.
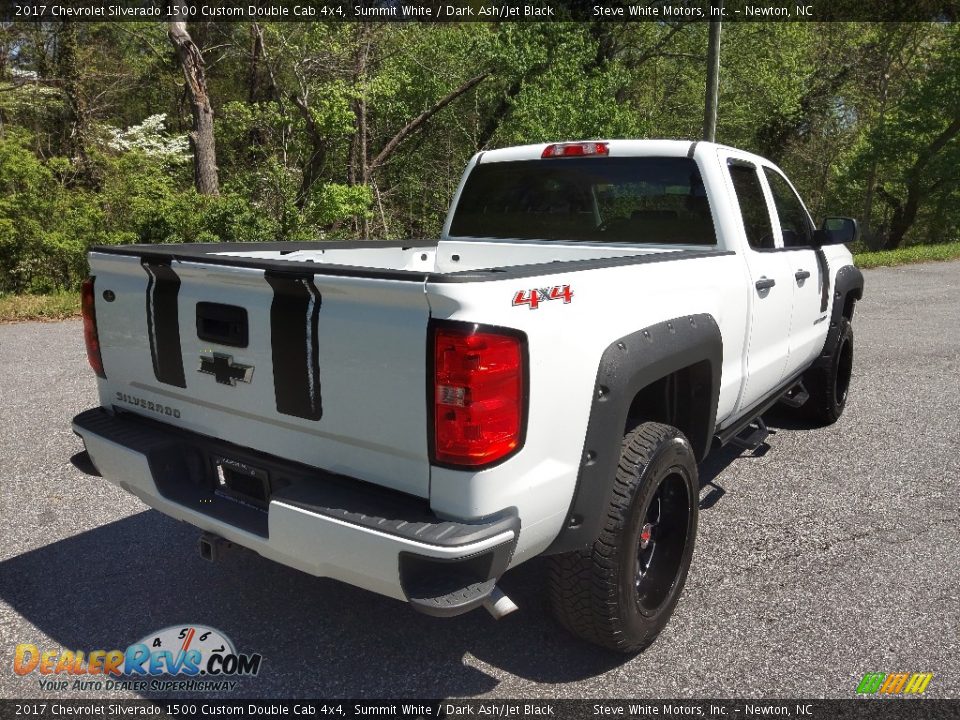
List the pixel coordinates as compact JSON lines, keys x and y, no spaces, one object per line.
{"x":624,"y":199}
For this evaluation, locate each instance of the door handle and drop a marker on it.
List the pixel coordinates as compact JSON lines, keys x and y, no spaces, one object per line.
{"x":765,"y":283}
{"x":801,"y":275}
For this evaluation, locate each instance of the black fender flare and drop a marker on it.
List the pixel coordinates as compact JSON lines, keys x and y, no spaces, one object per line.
{"x":626,"y":367}
{"x":849,"y":281}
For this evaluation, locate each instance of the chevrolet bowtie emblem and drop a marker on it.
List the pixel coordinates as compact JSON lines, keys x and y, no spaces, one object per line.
{"x":224,"y":369}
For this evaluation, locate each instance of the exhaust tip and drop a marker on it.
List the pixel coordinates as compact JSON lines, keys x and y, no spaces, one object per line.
{"x":498,"y":604}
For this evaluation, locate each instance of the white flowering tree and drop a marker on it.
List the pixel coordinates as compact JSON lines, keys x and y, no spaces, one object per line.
{"x":152,"y":139}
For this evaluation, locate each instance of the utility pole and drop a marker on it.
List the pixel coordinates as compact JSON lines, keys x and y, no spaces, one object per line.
{"x":713,"y":73}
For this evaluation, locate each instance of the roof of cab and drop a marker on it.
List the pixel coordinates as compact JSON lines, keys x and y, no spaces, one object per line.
{"x":618,"y":148}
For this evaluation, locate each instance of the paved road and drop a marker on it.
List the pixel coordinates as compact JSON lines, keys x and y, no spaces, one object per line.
{"x":835,"y":553}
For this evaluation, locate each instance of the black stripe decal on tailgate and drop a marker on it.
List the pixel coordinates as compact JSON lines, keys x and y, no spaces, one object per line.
{"x":163,"y":323}
{"x":294,"y":316}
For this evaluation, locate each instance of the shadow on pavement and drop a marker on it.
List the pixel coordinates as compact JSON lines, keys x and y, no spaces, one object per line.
{"x":108,"y":587}
{"x":720,"y":458}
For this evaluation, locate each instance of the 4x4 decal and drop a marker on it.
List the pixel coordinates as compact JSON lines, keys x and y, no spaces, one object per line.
{"x":535,"y":296}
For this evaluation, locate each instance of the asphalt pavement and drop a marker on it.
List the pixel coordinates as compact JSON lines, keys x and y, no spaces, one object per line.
{"x":828,"y":554}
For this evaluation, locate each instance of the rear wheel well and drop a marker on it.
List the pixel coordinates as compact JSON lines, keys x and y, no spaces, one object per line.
{"x":680,"y":399}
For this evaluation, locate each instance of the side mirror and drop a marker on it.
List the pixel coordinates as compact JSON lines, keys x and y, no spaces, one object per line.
{"x":837,"y":231}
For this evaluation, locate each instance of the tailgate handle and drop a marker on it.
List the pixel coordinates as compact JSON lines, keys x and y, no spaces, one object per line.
{"x":222,"y":324}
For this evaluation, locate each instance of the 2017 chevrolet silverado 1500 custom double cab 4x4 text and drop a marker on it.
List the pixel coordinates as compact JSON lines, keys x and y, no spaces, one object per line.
{"x":417,"y":418}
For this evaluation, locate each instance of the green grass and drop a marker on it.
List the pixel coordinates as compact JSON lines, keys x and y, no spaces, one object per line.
{"x":58,"y":306}
{"x":904,"y":256}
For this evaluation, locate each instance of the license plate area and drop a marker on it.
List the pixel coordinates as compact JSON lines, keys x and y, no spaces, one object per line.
{"x":239,"y":481}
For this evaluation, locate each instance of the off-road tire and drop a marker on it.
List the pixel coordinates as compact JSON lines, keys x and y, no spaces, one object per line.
{"x":829,"y":384}
{"x":596,"y":593}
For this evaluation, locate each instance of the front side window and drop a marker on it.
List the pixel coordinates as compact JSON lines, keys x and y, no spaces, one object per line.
{"x":619,"y":199}
{"x":794,"y":221}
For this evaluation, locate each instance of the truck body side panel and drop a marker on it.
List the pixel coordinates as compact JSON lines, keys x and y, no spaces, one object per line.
{"x":566,"y":342}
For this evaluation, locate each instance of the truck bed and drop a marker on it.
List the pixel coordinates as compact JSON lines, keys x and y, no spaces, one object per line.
{"x":414,"y":260}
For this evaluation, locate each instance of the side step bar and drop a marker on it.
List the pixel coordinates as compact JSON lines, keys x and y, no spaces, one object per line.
{"x":795,"y":396}
{"x":749,"y":430}
{"x":752,"y":436}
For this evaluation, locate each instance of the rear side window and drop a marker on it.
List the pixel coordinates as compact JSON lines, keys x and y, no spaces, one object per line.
{"x":753,"y":205}
{"x":624,"y":200}
{"x":794,"y":221}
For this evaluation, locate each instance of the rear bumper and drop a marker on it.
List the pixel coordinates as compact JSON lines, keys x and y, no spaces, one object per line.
{"x":323,"y":524}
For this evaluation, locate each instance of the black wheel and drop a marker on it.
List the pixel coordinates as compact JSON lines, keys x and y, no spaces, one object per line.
{"x":621,"y":592}
{"x":829,"y":385}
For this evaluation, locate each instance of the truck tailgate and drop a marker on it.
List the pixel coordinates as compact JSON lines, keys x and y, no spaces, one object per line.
{"x":325,"y":370}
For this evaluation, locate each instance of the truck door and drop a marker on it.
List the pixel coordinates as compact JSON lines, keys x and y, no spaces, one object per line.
{"x":771,"y":286}
{"x":808,"y":266}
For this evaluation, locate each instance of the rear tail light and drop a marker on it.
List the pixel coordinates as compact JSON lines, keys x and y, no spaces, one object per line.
{"x":580,"y":149}
{"x":90,"y":337}
{"x":479,"y":394}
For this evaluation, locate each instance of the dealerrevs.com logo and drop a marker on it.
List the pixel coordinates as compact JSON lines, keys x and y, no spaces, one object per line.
{"x":201,"y":658}
{"x":894,"y":683}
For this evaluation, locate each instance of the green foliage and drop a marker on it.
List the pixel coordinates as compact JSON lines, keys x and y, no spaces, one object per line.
{"x":93,"y":123}
{"x":40,"y":220}
{"x":914,"y":150}
{"x":571,"y":99}
{"x":47,"y":226}
{"x":333,"y":203}
{"x":142,"y":202}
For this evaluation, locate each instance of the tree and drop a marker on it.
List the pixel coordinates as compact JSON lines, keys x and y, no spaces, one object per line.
{"x":918,"y":185}
{"x":202,"y":141}
{"x":918,"y":145}
{"x":356,"y":130}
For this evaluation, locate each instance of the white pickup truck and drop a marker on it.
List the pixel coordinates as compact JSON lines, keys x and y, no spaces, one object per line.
{"x":415,"y":418}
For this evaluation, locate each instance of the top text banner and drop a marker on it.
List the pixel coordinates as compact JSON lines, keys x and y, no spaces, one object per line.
{"x":664,"y":11}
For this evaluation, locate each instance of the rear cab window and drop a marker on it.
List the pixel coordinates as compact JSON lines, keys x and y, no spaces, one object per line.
{"x":646,"y":200}
{"x":753,"y":205}
{"x":795,"y":224}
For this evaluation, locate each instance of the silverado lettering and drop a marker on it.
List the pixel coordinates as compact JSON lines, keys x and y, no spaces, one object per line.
{"x":147,"y":405}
